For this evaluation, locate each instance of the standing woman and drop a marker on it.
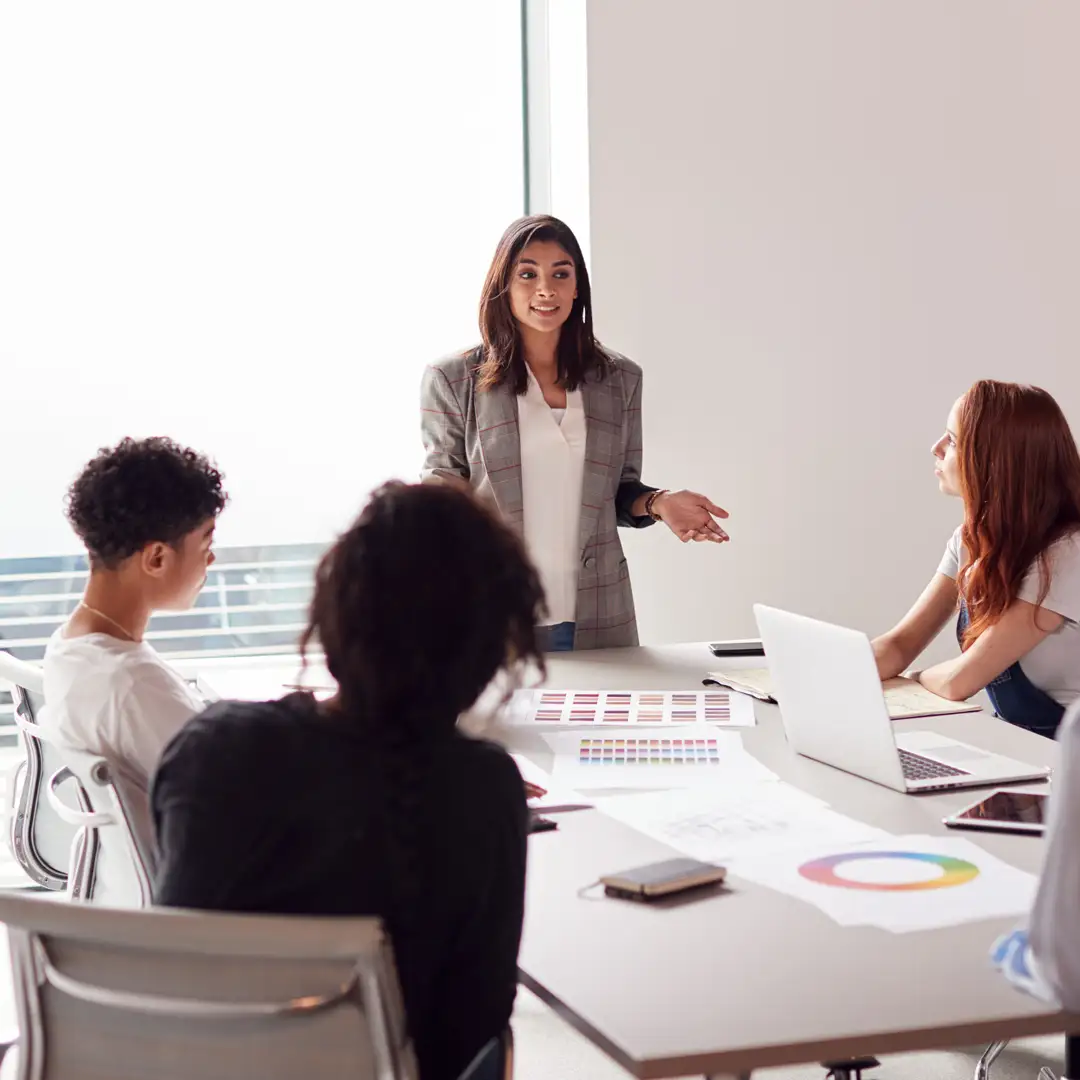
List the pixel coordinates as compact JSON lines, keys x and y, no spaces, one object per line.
{"x":1012,"y":569}
{"x":545,"y":422}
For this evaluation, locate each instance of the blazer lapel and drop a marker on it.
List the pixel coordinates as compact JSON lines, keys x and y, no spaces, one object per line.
{"x":603,"y":433}
{"x":500,"y":447}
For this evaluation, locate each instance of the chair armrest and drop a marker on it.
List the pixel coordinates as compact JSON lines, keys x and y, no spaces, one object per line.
{"x":94,"y":819}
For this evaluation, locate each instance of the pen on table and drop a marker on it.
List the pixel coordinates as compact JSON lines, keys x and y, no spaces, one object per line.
{"x":757,"y":695}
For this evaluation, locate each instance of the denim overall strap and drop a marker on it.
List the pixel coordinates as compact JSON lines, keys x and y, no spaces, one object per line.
{"x":557,"y":638}
{"x":1015,"y":697}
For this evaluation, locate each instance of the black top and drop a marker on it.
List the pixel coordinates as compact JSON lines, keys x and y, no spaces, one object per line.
{"x":276,"y":807}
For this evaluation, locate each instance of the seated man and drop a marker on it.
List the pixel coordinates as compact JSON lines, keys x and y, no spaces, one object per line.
{"x":145,"y":510}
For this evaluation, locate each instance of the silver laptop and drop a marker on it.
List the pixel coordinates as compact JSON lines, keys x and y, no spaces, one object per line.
{"x":833,"y":708}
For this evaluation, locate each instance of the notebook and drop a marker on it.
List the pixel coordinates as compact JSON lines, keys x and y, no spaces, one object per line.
{"x":904,"y":697}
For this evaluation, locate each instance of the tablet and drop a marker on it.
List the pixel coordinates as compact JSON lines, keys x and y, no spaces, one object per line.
{"x":1004,"y":811}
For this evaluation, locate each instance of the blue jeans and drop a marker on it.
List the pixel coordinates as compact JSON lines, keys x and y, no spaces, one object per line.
{"x":557,"y":638}
{"x":1015,"y":697}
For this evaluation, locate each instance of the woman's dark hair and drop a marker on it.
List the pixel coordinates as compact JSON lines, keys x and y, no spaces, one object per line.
{"x":419,"y":604}
{"x":140,"y":492}
{"x":502,"y":360}
{"x":417,"y":607}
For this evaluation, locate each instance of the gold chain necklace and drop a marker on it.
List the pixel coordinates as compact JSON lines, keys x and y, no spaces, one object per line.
{"x":108,"y":618}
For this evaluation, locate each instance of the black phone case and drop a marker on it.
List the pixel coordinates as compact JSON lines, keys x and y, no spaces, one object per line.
{"x":748,"y":650}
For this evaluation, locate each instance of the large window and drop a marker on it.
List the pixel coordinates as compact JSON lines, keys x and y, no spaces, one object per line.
{"x":247,"y":224}
{"x":558,"y":112}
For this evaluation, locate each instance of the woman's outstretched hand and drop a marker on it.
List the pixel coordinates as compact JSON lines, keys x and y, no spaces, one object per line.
{"x":691,"y":516}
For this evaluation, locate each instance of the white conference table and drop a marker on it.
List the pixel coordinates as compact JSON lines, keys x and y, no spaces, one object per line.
{"x":748,"y":978}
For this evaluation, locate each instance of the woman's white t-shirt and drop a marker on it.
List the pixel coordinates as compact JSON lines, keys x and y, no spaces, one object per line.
{"x":1054,"y":664}
{"x":115,"y":698}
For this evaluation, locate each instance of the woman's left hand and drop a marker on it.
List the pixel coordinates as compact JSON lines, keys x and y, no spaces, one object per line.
{"x":691,"y":516}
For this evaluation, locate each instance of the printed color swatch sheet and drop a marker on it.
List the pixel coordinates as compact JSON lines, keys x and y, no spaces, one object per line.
{"x":612,"y":708}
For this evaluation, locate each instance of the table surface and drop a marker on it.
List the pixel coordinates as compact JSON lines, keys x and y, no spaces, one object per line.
{"x":748,"y":977}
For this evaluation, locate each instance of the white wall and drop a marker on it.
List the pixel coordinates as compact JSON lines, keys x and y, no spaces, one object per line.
{"x":815,"y":224}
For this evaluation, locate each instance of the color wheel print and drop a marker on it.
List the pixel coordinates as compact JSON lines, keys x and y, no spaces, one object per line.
{"x":954,"y":871}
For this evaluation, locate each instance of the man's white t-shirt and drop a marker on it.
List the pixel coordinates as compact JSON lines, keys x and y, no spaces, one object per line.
{"x":1054,"y":664}
{"x":115,"y":698}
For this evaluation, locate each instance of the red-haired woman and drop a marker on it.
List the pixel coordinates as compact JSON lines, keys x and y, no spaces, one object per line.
{"x":1013,"y":567}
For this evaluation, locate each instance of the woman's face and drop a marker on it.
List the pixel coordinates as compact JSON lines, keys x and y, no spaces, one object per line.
{"x":946,"y":465}
{"x":543,"y":285}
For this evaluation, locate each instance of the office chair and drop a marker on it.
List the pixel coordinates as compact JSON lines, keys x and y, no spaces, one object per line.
{"x":174,"y":994}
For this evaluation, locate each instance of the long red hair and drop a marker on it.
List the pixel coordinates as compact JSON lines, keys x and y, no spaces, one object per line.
{"x":1020,"y":481}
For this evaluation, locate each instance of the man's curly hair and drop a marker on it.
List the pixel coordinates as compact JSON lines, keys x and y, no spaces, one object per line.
{"x":139,"y":492}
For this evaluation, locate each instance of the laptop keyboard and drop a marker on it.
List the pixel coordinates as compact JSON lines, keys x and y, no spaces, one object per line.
{"x":917,"y":767}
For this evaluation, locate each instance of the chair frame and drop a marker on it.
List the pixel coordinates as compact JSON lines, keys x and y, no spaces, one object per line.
{"x":26,"y":679}
{"x":371,"y":988}
{"x":89,"y":819}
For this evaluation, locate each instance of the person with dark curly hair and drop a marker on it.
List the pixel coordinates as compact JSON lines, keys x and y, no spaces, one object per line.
{"x":145,"y":510}
{"x":374,"y":802}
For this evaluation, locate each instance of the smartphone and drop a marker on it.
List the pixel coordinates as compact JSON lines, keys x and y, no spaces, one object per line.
{"x":1004,"y":811}
{"x":739,"y":647}
{"x":657,"y":880}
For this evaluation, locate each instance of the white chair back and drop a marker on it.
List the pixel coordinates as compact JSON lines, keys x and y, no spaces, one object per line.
{"x":175,"y":994}
{"x":112,"y":860}
{"x":38,"y":839}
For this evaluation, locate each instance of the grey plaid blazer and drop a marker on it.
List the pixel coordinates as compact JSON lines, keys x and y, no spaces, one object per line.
{"x":474,"y":435}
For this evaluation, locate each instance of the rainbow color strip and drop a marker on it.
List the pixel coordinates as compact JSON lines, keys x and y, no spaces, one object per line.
{"x":955,"y":871}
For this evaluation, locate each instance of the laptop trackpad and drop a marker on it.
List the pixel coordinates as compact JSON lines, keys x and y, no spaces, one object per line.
{"x":941,"y":748}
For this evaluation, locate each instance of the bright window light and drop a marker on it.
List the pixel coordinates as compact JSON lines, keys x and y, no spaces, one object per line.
{"x":247,"y":225}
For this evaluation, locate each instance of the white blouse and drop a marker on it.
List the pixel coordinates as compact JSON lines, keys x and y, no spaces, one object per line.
{"x":552,"y":465}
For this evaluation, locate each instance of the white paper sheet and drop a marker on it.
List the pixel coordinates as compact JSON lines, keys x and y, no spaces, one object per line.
{"x":557,"y":799}
{"x":726,"y":823}
{"x":679,"y":758}
{"x":898,"y":883}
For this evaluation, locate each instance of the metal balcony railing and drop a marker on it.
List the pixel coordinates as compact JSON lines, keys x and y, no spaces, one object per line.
{"x":255,"y":603}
